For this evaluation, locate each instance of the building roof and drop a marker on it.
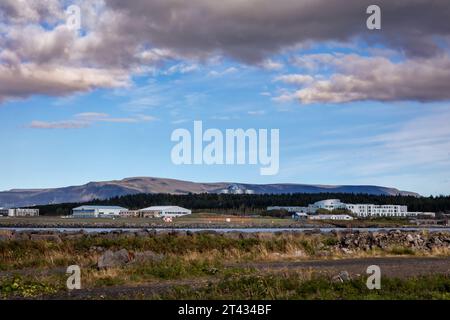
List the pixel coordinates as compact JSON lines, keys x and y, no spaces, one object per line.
{"x":328,"y":202}
{"x":301,"y":214}
{"x":98,"y":207}
{"x":162,"y":208}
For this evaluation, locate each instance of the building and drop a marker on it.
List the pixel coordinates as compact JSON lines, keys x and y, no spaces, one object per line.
{"x":342,"y":217}
{"x":372,"y":210}
{"x":288,"y":209}
{"x":165,"y":211}
{"x":19,"y":212}
{"x":359,"y":210}
{"x":130,"y":214}
{"x":299,"y":216}
{"x":425,"y":215}
{"x":97,"y":211}
{"x":329,"y":204}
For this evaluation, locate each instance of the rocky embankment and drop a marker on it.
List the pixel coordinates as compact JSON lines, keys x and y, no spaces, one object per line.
{"x":425,"y":241}
{"x":356,"y":240}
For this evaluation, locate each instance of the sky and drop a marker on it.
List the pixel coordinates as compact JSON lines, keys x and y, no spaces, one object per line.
{"x":353,"y":105}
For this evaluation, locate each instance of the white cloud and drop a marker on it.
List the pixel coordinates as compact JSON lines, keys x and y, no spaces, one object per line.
{"x":416,"y":145}
{"x":230,"y":70}
{"x":272,"y":65}
{"x":256,"y":112}
{"x":358,"y":78}
{"x":181,"y":68}
{"x":24,"y":80}
{"x":69,"y":124}
{"x":87,"y":119}
{"x":298,"y":79}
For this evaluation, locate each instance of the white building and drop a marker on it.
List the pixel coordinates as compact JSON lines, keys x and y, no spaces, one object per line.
{"x":165,"y":211}
{"x":329,"y":204}
{"x":300,"y":216}
{"x":423,"y":214}
{"x":330,"y":217}
{"x":372,"y":210}
{"x":360,"y":210}
{"x":288,"y":209}
{"x":19,"y":212}
{"x":97,"y":211}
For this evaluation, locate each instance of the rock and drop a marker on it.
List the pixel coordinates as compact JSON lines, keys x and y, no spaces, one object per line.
{"x":410,"y":238}
{"x":111,"y":259}
{"x":46,"y":237}
{"x":343,"y":276}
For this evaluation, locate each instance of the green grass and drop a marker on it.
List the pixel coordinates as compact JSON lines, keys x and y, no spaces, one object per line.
{"x":18,"y":254}
{"x":28,"y":287}
{"x":321,"y":288}
{"x":174,"y":269}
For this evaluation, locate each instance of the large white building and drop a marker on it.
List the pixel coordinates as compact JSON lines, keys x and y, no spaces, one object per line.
{"x":97,"y":211}
{"x":360,"y":210}
{"x":19,"y":212}
{"x":165,"y":211}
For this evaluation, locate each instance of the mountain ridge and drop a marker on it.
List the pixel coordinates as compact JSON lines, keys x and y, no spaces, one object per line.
{"x":135,"y":185}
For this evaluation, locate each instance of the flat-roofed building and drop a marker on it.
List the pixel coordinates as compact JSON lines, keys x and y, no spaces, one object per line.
{"x":19,"y":212}
{"x":359,"y":210}
{"x":372,"y":210}
{"x":130,"y":214}
{"x":97,"y":211}
{"x":165,"y":211}
{"x":300,"y":216}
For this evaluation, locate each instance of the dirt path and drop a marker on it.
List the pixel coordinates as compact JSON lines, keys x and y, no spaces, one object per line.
{"x":398,"y":267}
{"x":130,"y":292}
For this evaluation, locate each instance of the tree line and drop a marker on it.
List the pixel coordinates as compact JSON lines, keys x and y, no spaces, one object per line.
{"x":250,"y":204}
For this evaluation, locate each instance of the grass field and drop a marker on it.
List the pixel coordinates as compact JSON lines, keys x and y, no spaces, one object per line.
{"x":206,"y":266}
{"x":195,"y":220}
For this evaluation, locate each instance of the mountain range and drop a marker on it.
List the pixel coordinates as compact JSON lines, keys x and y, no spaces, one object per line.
{"x":109,"y":189}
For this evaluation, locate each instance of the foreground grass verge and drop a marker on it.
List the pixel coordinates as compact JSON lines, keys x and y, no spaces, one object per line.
{"x":320,"y":288}
{"x":252,"y":286}
{"x":236,"y":265}
{"x":84,"y":250}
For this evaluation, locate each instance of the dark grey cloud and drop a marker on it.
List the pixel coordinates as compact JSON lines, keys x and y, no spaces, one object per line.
{"x":253,"y":29}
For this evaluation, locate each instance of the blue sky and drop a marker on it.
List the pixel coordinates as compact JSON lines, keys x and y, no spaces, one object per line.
{"x":333,"y":130}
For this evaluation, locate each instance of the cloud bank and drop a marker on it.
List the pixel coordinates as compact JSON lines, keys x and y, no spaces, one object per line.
{"x":357,"y":78}
{"x":40,"y":55}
